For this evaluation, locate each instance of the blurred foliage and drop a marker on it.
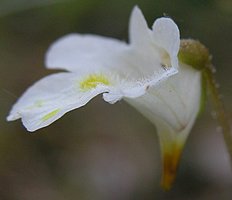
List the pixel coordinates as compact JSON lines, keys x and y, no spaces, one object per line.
{"x":104,"y":151}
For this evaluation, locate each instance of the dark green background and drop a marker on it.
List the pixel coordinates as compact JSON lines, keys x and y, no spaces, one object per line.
{"x":102,"y":151}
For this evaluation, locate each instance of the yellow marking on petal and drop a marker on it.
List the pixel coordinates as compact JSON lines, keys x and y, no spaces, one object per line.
{"x":50,"y":115}
{"x":91,"y":81}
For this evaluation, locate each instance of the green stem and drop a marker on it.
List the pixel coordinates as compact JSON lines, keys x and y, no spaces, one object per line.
{"x":219,"y":108}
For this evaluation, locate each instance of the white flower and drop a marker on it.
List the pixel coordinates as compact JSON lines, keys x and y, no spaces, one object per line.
{"x":121,"y":71}
{"x":103,"y":65}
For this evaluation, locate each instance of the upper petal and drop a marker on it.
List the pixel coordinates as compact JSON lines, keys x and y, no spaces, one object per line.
{"x":139,"y":33}
{"x":166,"y":35}
{"x":77,"y":52}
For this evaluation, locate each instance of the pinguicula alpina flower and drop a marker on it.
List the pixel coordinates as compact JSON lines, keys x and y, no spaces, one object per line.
{"x":97,"y":65}
{"x":141,"y":72}
{"x":145,"y":73}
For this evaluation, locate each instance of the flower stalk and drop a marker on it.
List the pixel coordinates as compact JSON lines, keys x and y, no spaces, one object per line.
{"x":219,"y":108}
{"x":194,"y":53}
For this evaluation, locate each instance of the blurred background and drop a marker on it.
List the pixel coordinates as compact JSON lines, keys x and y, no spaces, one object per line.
{"x":102,"y":151}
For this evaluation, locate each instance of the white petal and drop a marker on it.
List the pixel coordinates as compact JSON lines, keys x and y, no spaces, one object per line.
{"x":77,"y":52}
{"x":139,"y":33}
{"x":166,"y":35}
{"x":51,"y":97}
